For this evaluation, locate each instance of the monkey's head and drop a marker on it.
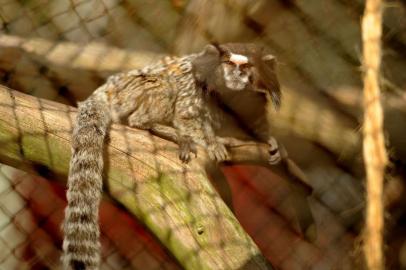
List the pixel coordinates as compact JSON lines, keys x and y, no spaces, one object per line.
{"x":238,"y":67}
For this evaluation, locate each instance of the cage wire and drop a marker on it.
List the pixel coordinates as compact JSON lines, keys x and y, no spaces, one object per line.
{"x":62,"y":50}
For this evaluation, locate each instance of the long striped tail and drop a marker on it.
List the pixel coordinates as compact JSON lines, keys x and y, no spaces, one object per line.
{"x":81,"y":245}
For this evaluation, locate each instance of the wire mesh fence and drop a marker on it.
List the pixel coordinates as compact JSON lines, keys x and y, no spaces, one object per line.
{"x":62,"y":50}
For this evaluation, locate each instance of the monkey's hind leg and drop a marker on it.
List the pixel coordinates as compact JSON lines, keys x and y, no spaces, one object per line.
{"x":186,"y":148}
{"x":202,"y":134}
{"x":185,"y":143}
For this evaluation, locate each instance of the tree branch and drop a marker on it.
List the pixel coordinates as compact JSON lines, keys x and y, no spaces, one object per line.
{"x":175,"y":201}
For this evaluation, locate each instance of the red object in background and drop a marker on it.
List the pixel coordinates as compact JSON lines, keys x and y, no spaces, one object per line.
{"x":261,"y":203}
{"x":126,"y":243}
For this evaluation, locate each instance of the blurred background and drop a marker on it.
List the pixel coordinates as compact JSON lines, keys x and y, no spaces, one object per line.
{"x":62,"y":50}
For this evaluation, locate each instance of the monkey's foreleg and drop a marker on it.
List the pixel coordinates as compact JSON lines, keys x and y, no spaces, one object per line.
{"x":252,"y":152}
{"x":274,"y":152}
{"x":273,"y":155}
{"x":165,"y":132}
{"x":185,"y":143}
{"x":202,"y":134}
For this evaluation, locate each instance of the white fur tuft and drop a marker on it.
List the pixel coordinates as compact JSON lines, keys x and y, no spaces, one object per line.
{"x":238,"y":59}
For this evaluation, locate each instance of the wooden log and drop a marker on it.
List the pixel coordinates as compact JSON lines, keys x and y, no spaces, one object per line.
{"x":175,"y":201}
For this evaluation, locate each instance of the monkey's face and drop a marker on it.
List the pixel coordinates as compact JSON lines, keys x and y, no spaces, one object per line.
{"x":238,"y":67}
{"x":237,"y":71}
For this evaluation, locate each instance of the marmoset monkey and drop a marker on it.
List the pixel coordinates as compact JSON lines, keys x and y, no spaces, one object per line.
{"x":184,"y":99}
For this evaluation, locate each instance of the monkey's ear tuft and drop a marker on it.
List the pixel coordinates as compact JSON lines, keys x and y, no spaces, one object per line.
{"x":276,"y":99}
{"x":213,"y":49}
{"x":270,"y":60}
{"x":205,"y":63}
{"x":268,"y":78}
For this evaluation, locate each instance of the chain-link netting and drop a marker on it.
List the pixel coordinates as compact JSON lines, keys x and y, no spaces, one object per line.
{"x":156,"y":212}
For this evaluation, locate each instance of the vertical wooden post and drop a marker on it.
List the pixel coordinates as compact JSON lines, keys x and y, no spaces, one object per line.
{"x":375,"y":157}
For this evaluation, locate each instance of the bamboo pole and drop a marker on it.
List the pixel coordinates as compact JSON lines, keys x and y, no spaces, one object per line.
{"x":375,"y":157}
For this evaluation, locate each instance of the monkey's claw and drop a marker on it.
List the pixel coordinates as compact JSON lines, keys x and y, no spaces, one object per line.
{"x":186,"y":147}
{"x":218,"y":152}
{"x":274,"y":153}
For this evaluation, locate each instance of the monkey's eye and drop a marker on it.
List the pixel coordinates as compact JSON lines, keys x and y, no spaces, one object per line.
{"x":245,"y":66}
{"x":230,"y":63}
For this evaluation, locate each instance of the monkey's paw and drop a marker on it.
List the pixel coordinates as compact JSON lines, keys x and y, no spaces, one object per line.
{"x":274,"y":153}
{"x":218,"y":152}
{"x":186,"y":148}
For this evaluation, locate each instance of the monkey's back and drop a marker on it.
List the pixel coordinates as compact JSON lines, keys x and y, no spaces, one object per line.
{"x":149,"y":95}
